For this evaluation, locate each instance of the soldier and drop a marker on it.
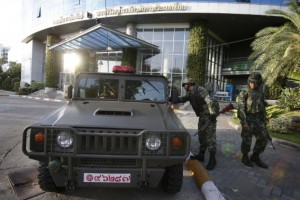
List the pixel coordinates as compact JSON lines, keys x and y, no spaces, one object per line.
{"x":252,"y":115}
{"x":203,"y":108}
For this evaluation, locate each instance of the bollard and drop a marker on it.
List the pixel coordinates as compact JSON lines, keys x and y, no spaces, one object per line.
{"x":203,"y":180}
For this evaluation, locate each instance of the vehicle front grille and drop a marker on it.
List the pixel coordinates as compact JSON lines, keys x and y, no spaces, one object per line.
{"x":108,"y":162}
{"x":107,"y":142}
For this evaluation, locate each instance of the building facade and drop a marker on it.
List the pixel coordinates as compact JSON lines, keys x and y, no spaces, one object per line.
{"x":231,"y":24}
{"x":4,"y":54}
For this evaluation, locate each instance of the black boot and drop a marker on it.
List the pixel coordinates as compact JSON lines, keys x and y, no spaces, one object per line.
{"x":255,"y":158}
{"x":246,"y":161}
{"x":212,"y":161}
{"x":199,"y":156}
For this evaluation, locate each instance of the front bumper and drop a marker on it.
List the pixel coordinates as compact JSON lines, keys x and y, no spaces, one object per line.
{"x":129,"y":178}
{"x":107,"y":152}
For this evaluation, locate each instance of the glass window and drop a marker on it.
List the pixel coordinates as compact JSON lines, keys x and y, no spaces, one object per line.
{"x":168,"y":34}
{"x":158,"y":34}
{"x":178,"y":64}
{"x":144,"y":90}
{"x":168,"y":47}
{"x":156,"y":63}
{"x":179,"y":34}
{"x":173,"y":56}
{"x":146,"y":66}
{"x":178,"y":47}
{"x":97,"y":88}
{"x":167,"y":63}
{"x":148,"y":35}
{"x":159,"y":44}
{"x":140,"y":33}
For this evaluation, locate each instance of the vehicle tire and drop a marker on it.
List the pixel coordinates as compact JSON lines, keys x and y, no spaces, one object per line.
{"x":172,"y":179}
{"x":45,"y":179}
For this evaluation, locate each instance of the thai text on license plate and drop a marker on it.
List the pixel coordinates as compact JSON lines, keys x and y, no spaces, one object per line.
{"x":106,"y":178}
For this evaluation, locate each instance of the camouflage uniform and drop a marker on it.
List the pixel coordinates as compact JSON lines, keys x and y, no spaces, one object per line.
{"x":251,"y":111}
{"x":203,"y":107}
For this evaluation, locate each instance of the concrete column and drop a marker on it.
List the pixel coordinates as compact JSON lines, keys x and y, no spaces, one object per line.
{"x":130,"y":29}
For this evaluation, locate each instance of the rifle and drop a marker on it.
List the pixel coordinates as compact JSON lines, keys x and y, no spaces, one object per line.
{"x":226,"y":108}
{"x":270,"y":139}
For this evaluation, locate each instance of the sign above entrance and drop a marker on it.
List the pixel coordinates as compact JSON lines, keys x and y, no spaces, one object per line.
{"x":134,"y":9}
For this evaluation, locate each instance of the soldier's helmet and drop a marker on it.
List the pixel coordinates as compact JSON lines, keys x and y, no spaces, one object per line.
{"x":188,"y":81}
{"x":255,"y":77}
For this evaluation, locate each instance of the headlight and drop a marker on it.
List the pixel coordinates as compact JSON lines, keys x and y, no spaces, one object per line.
{"x":64,"y":139}
{"x":153,"y":142}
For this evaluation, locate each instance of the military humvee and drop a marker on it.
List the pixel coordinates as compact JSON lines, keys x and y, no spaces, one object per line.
{"x":116,"y":130}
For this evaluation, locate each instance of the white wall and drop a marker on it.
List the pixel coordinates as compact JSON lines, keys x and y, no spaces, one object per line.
{"x":33,"y":62}
{"x":38,"y":61}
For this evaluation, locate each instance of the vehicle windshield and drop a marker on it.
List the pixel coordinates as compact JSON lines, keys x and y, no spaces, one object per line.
{"x":115,"y":88}
{"x":95,"y":88}
{"x":143,"y":90}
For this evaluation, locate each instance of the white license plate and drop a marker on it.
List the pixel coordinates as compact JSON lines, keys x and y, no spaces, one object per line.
{"x":106,"y":178}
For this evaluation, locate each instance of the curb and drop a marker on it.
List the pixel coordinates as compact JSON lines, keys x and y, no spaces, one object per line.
{"x":203,"y":180}
{"x":38,"y":98}
{"x":287,"y":143}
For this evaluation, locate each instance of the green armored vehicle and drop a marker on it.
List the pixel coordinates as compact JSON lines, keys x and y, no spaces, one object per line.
{"x":116,"y":130}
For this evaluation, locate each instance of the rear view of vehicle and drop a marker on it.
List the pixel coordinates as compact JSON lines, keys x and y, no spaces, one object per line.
{"x":116,"y":130}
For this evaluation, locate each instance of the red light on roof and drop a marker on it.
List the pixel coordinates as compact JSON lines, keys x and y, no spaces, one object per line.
{"x":123,"y":69}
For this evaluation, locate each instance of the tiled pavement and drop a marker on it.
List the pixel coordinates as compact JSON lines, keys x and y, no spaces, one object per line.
{"x":281,"y":181}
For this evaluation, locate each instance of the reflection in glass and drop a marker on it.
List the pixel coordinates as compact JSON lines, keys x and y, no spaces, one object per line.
{"x":144,"y":90}
{"x":96,"y":88}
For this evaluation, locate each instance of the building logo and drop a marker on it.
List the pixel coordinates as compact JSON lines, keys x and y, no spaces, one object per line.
{"x":122,"y":11}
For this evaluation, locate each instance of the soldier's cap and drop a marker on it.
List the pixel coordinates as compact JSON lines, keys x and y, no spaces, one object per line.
{"x":255,"y":77}
{"x":188,"y":81}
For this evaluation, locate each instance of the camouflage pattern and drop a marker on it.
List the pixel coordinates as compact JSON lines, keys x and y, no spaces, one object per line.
{"x":251,"y":110}
{"x":203,"y":106}
{"x":258,"y":129}
{"x":207,"y":139}
{"x":200,"y":101}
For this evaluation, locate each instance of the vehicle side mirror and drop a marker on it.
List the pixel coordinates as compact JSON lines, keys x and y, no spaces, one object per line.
{"x":68,"y":91}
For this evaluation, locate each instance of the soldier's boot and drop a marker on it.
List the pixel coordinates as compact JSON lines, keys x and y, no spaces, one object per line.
{"x":246,"y":161}
{"x":212,"y":161}
{"x":255,"y":158}
{"x":199,"y":156}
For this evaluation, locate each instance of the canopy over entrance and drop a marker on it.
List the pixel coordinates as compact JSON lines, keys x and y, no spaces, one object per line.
{"x":101,"y":38}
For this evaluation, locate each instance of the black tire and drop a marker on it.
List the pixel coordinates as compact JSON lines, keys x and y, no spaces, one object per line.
{"x":45,"y":179}
{"x":172,"y":179}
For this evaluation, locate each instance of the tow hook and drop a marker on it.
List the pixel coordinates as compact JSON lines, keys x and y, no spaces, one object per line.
{"x":54,"y":166}
{"x":70,"y":185}
{"x":143,"y":184}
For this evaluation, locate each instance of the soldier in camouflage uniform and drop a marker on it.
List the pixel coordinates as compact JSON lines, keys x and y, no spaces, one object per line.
{"x":203,"y":107}
{"x":252,"y":115}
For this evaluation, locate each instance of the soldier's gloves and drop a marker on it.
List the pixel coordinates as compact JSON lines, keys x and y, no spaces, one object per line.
{"x":213,"y":117}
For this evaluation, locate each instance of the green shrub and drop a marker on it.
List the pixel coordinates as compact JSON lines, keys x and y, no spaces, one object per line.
{"x":274,"y":111}
{"x":35,"y":85}
{"x":16,"y":86}
{"x":6,"y":84}
{"x":280,"y":124}
{"x":28,"y":89}
{"x":24,"y":91}
{"x":289,"y":99}
{"x":273,"y":92}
